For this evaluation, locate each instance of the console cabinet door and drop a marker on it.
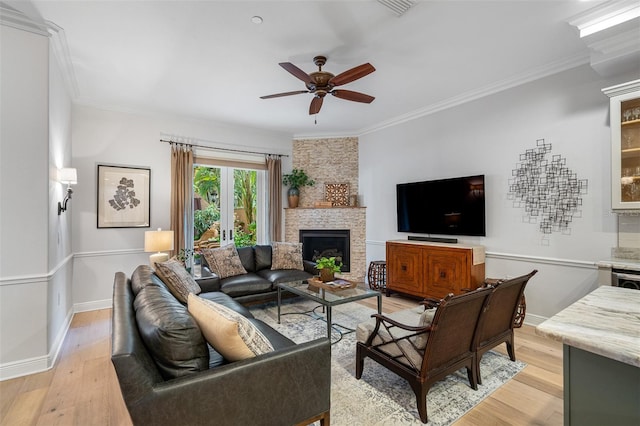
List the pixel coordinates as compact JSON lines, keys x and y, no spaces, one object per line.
{"x":447,"y":271}
{"x":429,"y":270}
{"x":405,"y":269}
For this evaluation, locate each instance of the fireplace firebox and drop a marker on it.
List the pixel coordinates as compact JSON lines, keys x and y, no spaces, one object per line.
{"x":317,"y":243}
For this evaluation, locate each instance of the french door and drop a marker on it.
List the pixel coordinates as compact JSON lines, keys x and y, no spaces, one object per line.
{"x":228,"y":206}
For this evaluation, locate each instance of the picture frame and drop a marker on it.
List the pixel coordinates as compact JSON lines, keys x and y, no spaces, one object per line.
{"x":123,"y":197}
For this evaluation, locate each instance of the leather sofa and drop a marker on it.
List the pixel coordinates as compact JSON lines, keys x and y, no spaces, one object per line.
{"x":259,"y":283}
{"x":169,"y":375}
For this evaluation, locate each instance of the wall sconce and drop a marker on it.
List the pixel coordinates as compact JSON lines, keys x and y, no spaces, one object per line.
{"x":70,"y":177}
{"x":158,"y":241}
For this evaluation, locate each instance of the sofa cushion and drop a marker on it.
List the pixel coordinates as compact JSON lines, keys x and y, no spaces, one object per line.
{"x":247,"y":258}
{"x":225,"y":300}
{"x":230,"y":334}
{"x":263,"y":257}
{"x":224,"y":261}
{"x":142,"y":277}
{"x":241,"y":285}
{"x":178,"y":280}
{"x":283,"y":275}
{"x":170,"y":334}
{"x":287,"y":256}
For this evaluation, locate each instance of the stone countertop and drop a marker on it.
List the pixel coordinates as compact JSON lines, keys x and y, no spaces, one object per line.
{"x":605,"y":322}
{"x":619,"y":263}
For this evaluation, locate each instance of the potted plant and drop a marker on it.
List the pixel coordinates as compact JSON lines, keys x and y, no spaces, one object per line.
{"x":295,"y":180}
{"x":328,"y":266}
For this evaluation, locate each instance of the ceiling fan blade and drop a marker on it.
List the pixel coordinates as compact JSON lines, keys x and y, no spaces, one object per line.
{"x":279,"y":95}
{"x":353,"y":96}
{"x":297,"y":72}
{"x":352,"y":74}
{"x":316,"y":104}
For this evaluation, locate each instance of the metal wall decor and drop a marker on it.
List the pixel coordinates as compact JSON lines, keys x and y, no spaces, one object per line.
{"x":549,"y":191}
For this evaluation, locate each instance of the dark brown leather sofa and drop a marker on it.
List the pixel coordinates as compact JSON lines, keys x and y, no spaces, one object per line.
{"x":259,"y":283}
{"x":169,"y":375}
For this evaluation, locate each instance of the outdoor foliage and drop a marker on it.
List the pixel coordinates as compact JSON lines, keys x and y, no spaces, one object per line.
{"x":203,"y":219}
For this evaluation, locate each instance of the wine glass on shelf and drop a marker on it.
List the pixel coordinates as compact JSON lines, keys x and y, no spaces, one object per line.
{"x":627,"y":114}
{"x":636,"y":113}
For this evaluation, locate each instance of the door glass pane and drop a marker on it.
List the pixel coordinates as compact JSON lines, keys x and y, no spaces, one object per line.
{"x":630,"y":150}
{"x":206,"y":216}
{"x":245,"y":207}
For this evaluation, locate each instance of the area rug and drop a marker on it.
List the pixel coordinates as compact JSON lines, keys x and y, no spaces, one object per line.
{"x":381,"y":398}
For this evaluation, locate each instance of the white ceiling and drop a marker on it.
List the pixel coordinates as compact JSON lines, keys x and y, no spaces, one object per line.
{"x":206,"y":59}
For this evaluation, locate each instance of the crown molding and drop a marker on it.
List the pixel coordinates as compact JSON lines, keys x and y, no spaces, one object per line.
{"x":518,"y":80}
{"x":61,"y":52}
{"x":611,"y":31}
{"x":14,"y":18}
{"x":604,"y":16}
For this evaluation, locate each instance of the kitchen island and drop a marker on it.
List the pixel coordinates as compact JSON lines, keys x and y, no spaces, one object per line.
{"x":601,"y":357}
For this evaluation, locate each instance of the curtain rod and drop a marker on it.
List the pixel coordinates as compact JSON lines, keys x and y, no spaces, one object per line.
{"x":223,"y":149}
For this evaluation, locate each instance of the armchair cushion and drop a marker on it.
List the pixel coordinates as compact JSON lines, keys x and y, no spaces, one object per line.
{"x":287,"y":256}
{"x":178,"y":280}
{"x":224,"y":261}
{"x":228,"y":332}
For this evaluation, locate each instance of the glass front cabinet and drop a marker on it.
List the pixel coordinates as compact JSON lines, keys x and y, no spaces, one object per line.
{"x":625,"y":145}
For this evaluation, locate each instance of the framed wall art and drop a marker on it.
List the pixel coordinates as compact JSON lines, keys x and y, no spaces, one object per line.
{"x":123,"y":197}
{"x":337,"y":193}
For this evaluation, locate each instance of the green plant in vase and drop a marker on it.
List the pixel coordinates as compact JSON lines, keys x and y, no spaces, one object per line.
{"x":328,"y":266}
{"x":295,"y":180}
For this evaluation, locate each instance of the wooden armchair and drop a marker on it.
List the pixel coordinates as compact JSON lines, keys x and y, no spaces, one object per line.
{"x":427,"y":354}
{"x":501,"y":317}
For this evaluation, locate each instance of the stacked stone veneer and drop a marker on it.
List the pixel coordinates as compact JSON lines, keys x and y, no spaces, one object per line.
{"x":330,"y":160}
{"x":352,"y":219}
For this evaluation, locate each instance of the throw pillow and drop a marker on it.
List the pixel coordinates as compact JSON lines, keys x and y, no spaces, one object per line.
{"x":177,"y":279}
{"x":224,"y":261}
{"x":287,"y":256}
{"x":228,"y":332}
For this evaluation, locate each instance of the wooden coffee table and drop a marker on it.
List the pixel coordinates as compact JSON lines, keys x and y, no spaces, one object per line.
{"x":327,"y":298}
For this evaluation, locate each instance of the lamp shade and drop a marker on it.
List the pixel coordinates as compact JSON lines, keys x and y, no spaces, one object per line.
{"x":68,"y":176}
{"x":158,"y":240}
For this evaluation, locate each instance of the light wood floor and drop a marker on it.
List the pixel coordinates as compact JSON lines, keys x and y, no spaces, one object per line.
{"x":82,"y":388}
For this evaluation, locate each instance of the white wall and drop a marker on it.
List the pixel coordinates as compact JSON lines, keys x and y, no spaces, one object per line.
{"x":109,"y":137}
{"x":486,"y":137}
{"x":25,"y":278}
{"x":60,"y":251}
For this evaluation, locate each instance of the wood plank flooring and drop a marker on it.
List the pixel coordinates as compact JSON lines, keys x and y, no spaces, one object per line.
{"x":82,"y":388}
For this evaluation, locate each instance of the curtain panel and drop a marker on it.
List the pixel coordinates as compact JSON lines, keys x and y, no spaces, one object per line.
{"x":181,"y":195}
{"x":274,"y":197}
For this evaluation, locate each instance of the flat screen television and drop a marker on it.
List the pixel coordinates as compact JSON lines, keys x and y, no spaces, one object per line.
{"x":446,"y":206}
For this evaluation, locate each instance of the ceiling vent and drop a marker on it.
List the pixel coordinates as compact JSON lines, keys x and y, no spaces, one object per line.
{"x":397,"y":6}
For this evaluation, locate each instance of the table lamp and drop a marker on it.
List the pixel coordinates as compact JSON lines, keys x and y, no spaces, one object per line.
{"x":158,"y":241}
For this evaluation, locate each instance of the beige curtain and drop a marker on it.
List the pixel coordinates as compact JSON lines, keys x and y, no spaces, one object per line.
{"x":274,"y":197}
{"x":181,"y":196}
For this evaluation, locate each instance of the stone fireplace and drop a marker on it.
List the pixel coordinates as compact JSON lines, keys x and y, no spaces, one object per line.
{"x":317,"y":243}
{"x":335,"y":163}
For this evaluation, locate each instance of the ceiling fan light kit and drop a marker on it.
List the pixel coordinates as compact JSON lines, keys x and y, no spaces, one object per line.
{"x":321,"y":83}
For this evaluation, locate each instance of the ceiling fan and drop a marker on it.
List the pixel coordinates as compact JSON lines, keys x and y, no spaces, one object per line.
{"x":321,"y":83}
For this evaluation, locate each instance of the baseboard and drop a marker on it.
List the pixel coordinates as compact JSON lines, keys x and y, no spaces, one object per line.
{"x":534,"y":320}
{"x":59,"y":340}
{"x":93,"y":305}
{"x":24,"y":367}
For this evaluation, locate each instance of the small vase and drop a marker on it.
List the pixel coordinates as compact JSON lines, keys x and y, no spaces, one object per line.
{"x":294,"y":197}
{"x":326,"y":275}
